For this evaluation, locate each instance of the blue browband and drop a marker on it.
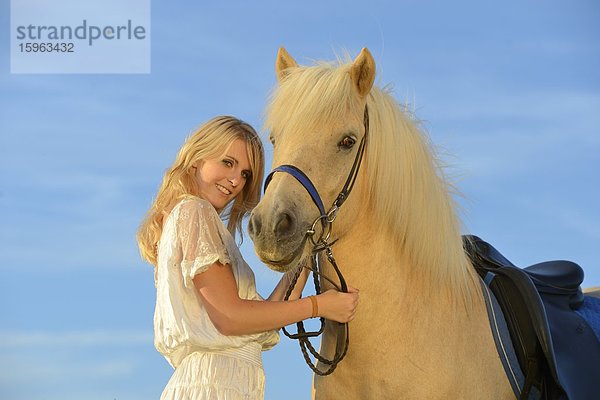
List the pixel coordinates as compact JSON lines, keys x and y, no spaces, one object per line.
{"x":304,"y":181}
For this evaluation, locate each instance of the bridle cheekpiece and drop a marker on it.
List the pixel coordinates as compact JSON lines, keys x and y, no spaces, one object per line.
{"x":322,"y":244}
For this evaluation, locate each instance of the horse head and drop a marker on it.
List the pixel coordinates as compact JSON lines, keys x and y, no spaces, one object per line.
{"x":316,"y":121}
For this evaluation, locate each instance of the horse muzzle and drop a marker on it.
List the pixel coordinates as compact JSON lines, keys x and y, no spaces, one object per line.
{"x":279,"y":241}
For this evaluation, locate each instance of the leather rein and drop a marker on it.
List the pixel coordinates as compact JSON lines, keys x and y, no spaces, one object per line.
{"x":321,"y":244}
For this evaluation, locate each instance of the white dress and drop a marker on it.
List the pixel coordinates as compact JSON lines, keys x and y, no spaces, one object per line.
{"x":208,"y":365}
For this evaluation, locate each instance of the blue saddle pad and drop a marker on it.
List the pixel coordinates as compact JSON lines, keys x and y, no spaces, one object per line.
{"x":590,"y":312}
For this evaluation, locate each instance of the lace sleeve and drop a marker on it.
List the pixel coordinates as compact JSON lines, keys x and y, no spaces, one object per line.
{"x":200,"y":238}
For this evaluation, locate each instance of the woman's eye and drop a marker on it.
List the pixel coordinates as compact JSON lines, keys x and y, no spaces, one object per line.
{"x":246,"y":175}
{"x":347,"y":143}
{"x":228,"y":163}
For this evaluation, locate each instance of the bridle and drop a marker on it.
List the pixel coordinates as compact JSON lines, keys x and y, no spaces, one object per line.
{"x":322,"y":244}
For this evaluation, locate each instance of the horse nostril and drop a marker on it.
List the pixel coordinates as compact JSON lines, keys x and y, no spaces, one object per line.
{"x":254,"y":225}
{"x":285,"y":225}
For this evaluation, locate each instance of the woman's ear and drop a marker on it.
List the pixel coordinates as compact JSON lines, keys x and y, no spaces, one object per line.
{"x":196,"y":165}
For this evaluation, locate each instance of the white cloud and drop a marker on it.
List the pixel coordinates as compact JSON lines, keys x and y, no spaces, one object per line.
{"x":16,"y":370}
{"x":15,"y":339}
{"x":93,"y":364}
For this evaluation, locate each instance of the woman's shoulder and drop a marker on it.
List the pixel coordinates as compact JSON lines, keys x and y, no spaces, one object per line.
{"x":191,"y":208}
{"x":194,"y":203}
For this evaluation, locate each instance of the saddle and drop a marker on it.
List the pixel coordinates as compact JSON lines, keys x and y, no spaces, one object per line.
{"x":558,"y":352}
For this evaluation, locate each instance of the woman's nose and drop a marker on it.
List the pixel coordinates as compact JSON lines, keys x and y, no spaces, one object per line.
{"x":235,"y":178}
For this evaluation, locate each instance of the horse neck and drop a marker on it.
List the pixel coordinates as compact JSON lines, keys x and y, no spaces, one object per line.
{"x":373,"y":262}
{"x":398,"y":318}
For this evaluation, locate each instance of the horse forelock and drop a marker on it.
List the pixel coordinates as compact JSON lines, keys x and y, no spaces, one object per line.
{"x":310,"y":97}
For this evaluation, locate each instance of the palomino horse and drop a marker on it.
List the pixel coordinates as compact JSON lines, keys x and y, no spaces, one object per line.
{"x":421,"y":331}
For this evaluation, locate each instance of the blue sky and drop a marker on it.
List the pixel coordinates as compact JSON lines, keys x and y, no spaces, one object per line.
{"x":509,"y":91}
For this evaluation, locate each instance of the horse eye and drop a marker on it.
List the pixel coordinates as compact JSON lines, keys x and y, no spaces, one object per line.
{"x":347,"y":143}
{"x":272,"y":140}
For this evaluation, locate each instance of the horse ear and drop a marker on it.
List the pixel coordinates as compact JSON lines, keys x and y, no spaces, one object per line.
{"x":283,"y":63}
{"x":363,"y":72}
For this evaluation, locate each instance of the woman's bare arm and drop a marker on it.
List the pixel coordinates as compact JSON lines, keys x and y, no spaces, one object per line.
{"x":281,"y":289}
{"x":234,"y":316}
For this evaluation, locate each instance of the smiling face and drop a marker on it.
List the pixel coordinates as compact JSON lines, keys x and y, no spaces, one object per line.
{"x":220,"y":180}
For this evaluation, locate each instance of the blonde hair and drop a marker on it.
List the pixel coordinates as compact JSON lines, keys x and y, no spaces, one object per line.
{"x":210,"y":141}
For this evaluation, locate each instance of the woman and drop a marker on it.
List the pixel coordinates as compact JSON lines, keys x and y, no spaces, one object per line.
{"x":209,"y":322}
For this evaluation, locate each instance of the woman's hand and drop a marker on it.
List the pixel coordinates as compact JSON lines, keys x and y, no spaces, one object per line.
{"x":338,"y":306}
